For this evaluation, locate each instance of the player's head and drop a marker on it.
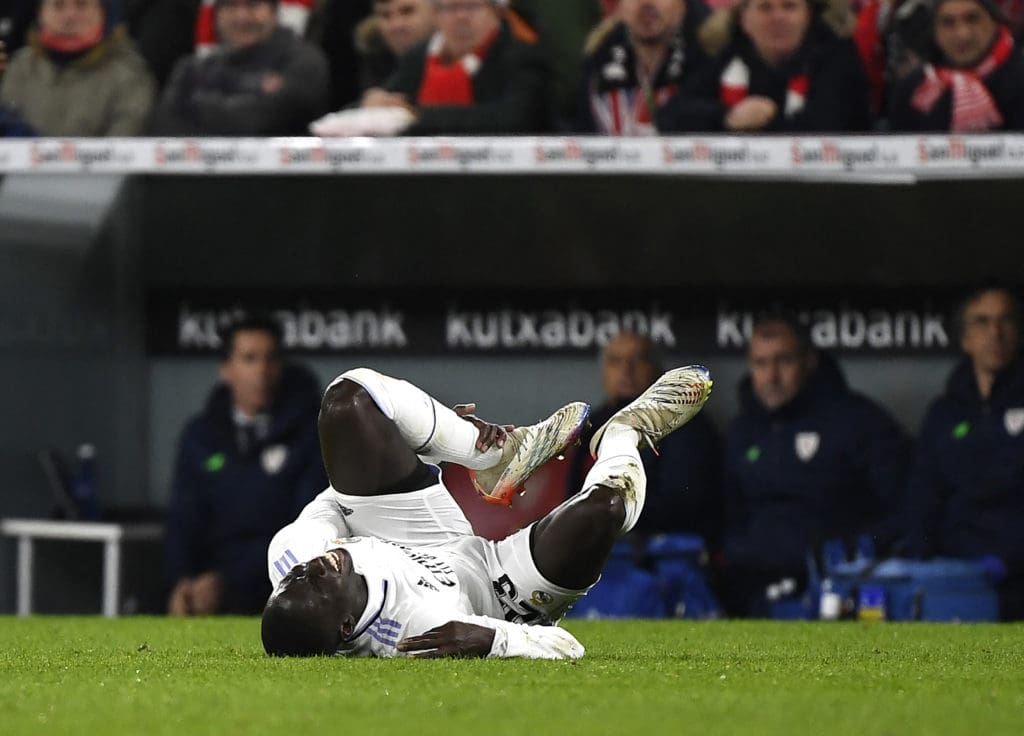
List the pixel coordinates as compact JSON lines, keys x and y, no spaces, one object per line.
{"x":315,"y":609}
{"x":781,"y":358}
{"x":251,"y":363}
{"x":630,"y":364}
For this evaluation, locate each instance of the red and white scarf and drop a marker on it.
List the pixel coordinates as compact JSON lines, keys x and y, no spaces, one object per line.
{"x":735,"y":86}
{"x":292,"y":14}
{"x":450,"y":83}
{"x":974,"y":109}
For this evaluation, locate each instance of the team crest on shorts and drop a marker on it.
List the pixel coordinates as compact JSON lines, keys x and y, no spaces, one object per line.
{"x":541,"y":598}
{"x":273,"y":458}
{"x":807,"y":444}
{"x":1013,"y":420}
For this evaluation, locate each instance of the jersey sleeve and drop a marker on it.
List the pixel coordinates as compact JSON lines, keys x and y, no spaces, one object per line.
{"x":300,"y":541}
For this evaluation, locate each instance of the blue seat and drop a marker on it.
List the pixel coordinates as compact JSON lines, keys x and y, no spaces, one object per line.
{"x":624,"y":590}
{"x":678,"y":564}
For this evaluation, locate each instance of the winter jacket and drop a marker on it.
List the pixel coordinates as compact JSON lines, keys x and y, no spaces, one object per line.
{"x":837,"y":99}
{"x":1005,"y":84}
{"x":106,"y":92}
{"x":966,"y":493}
{"x":830,"y":465}
{"x":512,"y":91}
{"x":612,"y":100}
{"x":683,"y":479}
{"x":224,"y":93}
{"x":227,"y":504}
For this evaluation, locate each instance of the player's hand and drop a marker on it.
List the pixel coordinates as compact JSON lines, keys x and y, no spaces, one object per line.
{"x":491,"y":435}
{"x":453,"y":639}
{"x":753,"y":113}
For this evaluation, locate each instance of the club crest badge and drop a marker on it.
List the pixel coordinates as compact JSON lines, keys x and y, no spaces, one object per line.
{"x":273,"y":458}
{"x":541,"y":598}
{"x":1013,"y":420}
{"x":807,"y":444}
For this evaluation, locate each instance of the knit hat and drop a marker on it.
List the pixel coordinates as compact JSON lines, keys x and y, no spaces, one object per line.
{"x":989,"y":6}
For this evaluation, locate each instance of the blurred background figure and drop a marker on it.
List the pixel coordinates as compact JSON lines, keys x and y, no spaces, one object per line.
{"x":638,"y":63}
{"x":974,"y":80}
{"x":683,"y":493}
{"x":807,"y":461}
{"x":246,"y":465}
{"x":395,"y":28}
{"x":483,"y":72}
{"x":783,"y":65}
{"x":966,"y":496}
{"x":80,"y":74}
{"x":260,"y":80}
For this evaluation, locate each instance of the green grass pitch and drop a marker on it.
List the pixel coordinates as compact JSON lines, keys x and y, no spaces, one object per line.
{"x":155,"y":676}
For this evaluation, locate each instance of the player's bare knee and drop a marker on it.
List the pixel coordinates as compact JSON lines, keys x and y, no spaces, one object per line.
{"x":346,"y":403}
{"x":605,"y":509}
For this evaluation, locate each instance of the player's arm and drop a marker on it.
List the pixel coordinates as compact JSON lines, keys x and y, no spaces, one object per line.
{"x":482,"y":636}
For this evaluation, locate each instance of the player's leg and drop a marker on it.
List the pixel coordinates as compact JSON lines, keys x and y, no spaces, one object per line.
{"x":571,"y":544}
{"x":373,"y":428}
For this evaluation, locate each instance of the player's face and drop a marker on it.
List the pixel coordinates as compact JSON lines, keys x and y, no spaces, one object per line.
{"x":964,"y":32}
{"x":652,"y":22}
{"x":242,"y":23}
{"x":404,"y":23}
{"x":253,"y":371}
{"x":466,"y":24}
{"x":778,"y":366}
{"x":777,"y":27}
{"x":325,"y":582}
{"x":628,"y":368}
{"x":991,"y":330}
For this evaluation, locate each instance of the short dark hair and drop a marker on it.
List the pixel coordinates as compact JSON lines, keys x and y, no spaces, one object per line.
{"x":258,"y":321}
{"x":295,"y":626}
{"x":960,"y":316}
{"x":788,"y":319}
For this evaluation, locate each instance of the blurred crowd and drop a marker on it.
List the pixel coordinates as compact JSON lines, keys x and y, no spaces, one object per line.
{"x":807,"y":469}
{"x":605,"y":67}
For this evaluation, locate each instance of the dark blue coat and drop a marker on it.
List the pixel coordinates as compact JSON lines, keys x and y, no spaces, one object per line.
{"x":966,"y":496}
{"x":226,"y":505}
{"x":829,"y":465}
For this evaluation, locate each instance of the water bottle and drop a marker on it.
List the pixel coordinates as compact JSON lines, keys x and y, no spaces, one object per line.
{"x":84,"y":489}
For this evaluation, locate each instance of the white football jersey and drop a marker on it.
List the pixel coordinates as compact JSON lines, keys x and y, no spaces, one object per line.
{"x":414,"y":589}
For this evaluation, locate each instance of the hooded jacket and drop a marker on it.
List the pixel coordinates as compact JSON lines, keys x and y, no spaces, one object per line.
{"x":108,"y":91}
{"x":227,"y":504}
{"x":966,"y":493}
{"x":830,"y":465}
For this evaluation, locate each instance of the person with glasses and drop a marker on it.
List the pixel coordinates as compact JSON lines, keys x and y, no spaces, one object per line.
{"x":966,"y":494}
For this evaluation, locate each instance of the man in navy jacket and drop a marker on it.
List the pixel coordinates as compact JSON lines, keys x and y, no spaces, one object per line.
{"x":967,"y":489}
{"x":246,"y":465}
{"x":807,"y":461}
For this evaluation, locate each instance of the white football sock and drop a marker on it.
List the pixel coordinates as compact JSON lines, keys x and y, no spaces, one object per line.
{"x":617,"y":455}
{"x":431,"y":430}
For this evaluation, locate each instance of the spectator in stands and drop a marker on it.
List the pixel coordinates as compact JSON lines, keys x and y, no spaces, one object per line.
{"x":396,"y":26}
{"x":784,"y":66}
{"x":483,"y":72}
{"x":637,"y":63}
{"x":807,"y":462}
{"x":975,"y":81}
{"x":894,"y":39}
{"x":79,"y":75}
{"x":245,"y":465}
{"x":683,"y":478}
{"x":261,"y":80}
{"x":966,"y":496}
{"x":564,"y":27}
